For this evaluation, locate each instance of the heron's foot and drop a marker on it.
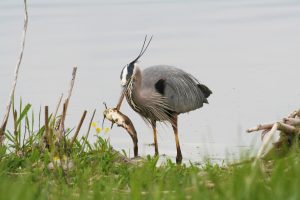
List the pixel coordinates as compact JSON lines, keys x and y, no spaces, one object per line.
{"x":179,"y":159}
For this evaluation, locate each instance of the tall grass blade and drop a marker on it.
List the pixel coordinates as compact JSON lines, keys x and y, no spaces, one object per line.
{"x":23,"y":113}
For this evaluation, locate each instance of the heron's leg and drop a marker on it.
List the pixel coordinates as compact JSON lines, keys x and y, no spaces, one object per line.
{"x":155,"y":137}
{"x":175,"y":129}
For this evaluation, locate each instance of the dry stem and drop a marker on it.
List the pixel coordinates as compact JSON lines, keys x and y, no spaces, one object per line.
{"x":61,"y":129}
{"x":6,"y":115}
{"x":88,"y":132}
{"x":78,"y":129}
{"x":57,"y":108}
{"x":45,"y":140}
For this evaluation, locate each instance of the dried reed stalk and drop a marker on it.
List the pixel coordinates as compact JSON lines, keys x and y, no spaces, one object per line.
{"x":6,"y":115}
{"x":65,"y":108}
{"x":88,"y":132}
{"x":45,"y":140}
{"x":78,"y":129}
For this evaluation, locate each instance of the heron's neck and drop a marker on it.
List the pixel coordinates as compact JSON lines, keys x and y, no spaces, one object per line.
{"x":134,"y":97}
{"x":137,"y":81}
{"x":149,"y":105}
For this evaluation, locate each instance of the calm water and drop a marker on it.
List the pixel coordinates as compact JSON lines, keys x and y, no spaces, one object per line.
{"x":247,"y":52}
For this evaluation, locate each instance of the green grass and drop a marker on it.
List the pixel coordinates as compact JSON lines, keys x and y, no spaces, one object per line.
{"x":99,"y":173}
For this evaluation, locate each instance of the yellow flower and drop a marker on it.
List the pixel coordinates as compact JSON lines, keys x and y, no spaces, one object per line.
{"x":56,"y":158}
{"x":98,"y":129}
{"x":106,"y":130}
{"x":94,"y":124}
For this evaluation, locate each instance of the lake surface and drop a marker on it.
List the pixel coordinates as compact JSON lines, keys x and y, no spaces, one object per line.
{"x":247,"y":52}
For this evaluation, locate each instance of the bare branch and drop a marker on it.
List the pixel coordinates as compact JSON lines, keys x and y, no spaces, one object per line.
{"x":287,"y":129}
{"x":260,"y":127}
{"x":266,"y":142}
{"x":292,"y":121}
{"x":6,"y":116}
{"x":294,"y":114}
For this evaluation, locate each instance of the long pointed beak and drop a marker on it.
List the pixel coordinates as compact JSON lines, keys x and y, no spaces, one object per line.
{"x":121,"y":99}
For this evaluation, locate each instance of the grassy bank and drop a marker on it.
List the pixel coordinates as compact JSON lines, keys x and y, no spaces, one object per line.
{"x":98,"y":172}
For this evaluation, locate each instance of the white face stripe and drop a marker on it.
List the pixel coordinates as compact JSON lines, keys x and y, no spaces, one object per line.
{"x":124,"y":75}
{"x":127,"y":72}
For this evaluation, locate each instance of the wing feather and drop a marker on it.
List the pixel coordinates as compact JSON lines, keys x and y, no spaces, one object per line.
{"x":182,"y":91}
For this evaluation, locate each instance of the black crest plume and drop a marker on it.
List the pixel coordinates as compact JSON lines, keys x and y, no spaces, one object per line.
{"x":143,"y":49}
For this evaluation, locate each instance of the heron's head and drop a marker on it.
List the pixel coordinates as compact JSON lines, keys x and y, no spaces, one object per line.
{"x":129,"y":70}
{"x":127,"y":73}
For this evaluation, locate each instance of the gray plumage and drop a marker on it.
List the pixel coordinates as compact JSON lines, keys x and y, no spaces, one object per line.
{"x":181,"y":90}
{"x":160,"y":91}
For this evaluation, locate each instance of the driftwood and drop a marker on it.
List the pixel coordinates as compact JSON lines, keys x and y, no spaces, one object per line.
{"x":8,"y":107}
{"x":289,"y":128}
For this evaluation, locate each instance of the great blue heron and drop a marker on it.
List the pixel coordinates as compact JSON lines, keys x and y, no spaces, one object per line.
{"x":161,"y":93}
